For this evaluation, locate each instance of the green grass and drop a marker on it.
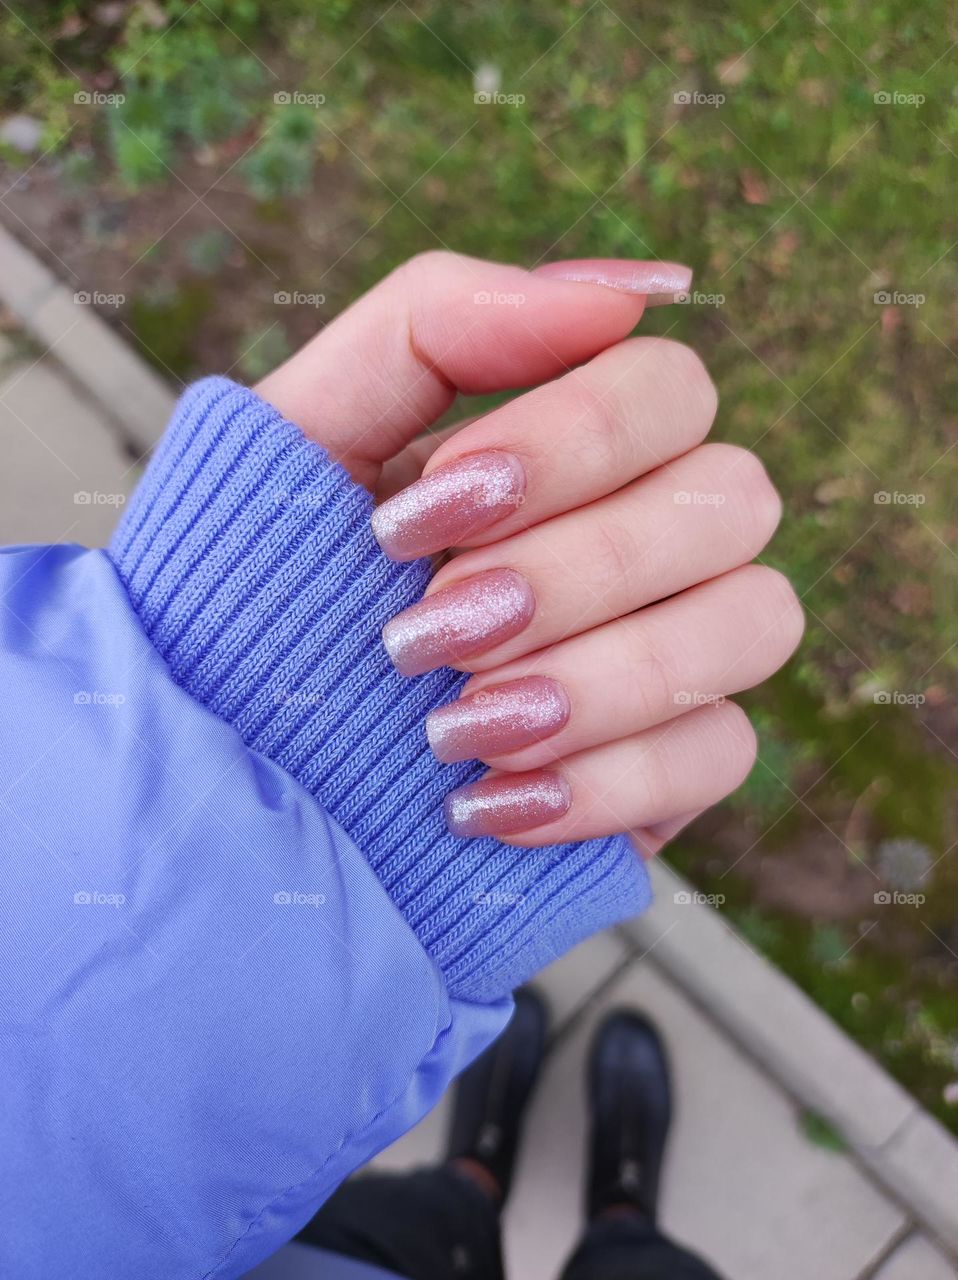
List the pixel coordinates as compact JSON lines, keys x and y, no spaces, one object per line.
{"x":797,"y":198}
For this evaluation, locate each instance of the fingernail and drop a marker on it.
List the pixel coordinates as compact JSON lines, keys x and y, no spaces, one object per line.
{"x":449,"y":505}
{"x":646,"y":278}
{"x":459,"y":621}
{"x":500,"y":718}
{"x":507,"y":803}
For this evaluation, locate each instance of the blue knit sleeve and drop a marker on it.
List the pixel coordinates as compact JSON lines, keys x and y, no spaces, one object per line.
{"x":248,"y":556}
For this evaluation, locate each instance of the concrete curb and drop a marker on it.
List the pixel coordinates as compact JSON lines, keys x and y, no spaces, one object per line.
{"x":907,"y":1151}
{"x":129,"y":391}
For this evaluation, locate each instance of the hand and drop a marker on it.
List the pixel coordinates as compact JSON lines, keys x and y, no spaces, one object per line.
{"x":601,"y":590}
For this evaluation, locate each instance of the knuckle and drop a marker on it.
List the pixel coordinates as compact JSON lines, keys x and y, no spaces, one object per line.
{"x":685,"y":370}
{"x":784,"y":605}
{"x":656,"y":787}
{"x":738,"y":744}
{"x":428,"y":261}
{"x":653,"y":388}
{"x":650,"y":683}
{"x":755,"y":504}
{"x":612,"y":558}
{"x":422,"y":280}
{"x":599,"y":413}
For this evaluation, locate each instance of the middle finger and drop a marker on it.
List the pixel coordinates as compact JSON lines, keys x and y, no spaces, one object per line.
{"x":702,"y":515}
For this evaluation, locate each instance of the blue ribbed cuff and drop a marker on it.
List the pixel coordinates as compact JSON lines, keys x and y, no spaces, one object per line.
{"x":248,"y":556}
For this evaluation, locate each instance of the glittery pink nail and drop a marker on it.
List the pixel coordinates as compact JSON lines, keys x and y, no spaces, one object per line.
{"x":501,"y":718}
{"x":507,"y":803}
{"x":456,"y":622}
{"x":449,"y":505}
{"x":622,"y":274}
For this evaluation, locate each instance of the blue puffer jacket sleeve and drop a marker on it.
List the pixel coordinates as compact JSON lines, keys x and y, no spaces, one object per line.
{"x":240,"y":952}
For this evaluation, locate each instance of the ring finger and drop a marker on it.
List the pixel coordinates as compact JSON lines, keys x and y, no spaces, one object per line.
{"x":711,"y":641}
{"x":688,"y":764}
{"x":700,"y":516}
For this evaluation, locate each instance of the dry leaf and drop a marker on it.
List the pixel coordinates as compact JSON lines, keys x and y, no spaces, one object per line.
{"x":754,"y":187}
{"x":734,"y":70}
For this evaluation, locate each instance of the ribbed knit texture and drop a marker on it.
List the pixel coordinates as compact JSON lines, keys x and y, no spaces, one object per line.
{"x":248,"y":556}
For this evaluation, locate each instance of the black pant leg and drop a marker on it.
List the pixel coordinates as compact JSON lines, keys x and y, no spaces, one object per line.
{"x":432,"y":1224}
{"x":632,"y":1249}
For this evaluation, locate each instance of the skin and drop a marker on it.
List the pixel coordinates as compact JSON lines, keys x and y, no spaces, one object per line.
{"x":647,"y":608}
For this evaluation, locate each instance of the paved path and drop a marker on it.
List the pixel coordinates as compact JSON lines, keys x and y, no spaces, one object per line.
{"x":744,"y":1185}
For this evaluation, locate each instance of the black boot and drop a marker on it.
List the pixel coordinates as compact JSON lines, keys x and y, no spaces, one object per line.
{"x":630,"y":1102}
{"x":492,"y":1094}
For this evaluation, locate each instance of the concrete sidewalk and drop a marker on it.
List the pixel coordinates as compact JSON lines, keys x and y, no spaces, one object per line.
{"x":744,"y":1185}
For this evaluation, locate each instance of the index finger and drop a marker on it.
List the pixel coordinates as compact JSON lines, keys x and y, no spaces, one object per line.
{"x":629,"y":410}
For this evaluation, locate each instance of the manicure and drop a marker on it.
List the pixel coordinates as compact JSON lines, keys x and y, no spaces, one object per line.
{"x":459,"y":621}
{"x":449,"y":505}
{"x":507,"y":803}
{"x":651,"y":279}
{"x":501,"y":718}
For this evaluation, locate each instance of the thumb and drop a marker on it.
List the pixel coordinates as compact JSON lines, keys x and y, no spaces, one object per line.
{"x":442,"y":324}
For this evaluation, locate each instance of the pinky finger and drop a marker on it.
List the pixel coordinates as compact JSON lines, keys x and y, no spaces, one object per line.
{"x":649,"y":841}
{"x":633,"y":784}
